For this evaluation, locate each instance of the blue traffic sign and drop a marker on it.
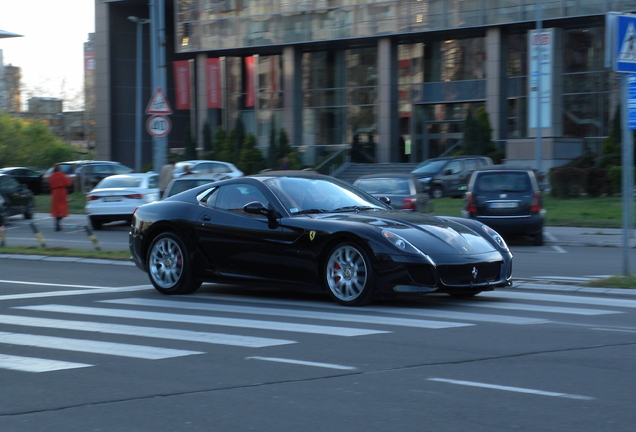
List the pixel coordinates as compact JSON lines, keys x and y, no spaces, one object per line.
{"x":631,"y":101}
{"x":626,"y":43}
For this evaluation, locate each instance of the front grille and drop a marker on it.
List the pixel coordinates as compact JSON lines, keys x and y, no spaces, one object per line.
{"x":464,"y":274}
{"x":421,"y":274}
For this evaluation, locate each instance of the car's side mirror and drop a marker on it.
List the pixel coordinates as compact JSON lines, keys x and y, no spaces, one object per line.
{"x":385,"y":200}
{"x":256,"y":207}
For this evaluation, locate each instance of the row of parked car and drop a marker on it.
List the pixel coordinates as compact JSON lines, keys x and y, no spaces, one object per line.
{"x":507,"y":199}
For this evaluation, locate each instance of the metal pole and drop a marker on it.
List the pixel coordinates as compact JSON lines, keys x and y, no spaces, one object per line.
{"x":158,"y":71}
{"x":138,"y":99}
{"x":627,"y":149}
{"x":538,"y":140}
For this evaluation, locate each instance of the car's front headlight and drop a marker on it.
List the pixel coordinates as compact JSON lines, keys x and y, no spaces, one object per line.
{"x":401,"y":243}
{"x":495,"y":236}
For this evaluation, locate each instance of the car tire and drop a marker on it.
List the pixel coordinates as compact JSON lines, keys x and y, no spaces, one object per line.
{"x":348,"y":275}
{"x":30,"y":210}
{"x":169,"y":266}
{"x":537,"y":239}
{"x":437,"y":192}
{"x":96,"y":223}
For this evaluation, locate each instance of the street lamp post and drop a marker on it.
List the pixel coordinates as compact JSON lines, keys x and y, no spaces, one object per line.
{"x":138,"y":87}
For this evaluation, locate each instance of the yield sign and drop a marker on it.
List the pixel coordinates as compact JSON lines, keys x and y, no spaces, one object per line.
{"x":158,"y":103}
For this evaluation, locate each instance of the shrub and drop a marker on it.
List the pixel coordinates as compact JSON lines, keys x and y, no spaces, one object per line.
{"x":596,"y":181}
{"x":614,"y":174}
{"x":567,"y":182}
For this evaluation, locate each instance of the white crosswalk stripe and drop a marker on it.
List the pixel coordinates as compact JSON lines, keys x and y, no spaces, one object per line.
{"x":358,"y":318}
{"x":30,"y":364}
{"x":151,"y":332}
{"x":91,"y":346}
{"x":200,"y":319}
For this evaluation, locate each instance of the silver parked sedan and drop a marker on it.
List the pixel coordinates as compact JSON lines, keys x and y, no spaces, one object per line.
{"x":116,"y":197}
{"x":404,"y":191}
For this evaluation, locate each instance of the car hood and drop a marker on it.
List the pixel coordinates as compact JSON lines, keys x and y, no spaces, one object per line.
{"x":427,"y":233}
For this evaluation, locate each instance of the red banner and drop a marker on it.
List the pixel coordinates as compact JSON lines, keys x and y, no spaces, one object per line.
{"x":182,"y":83}
{"x":249,"y":81}
{"x":213,"y":82}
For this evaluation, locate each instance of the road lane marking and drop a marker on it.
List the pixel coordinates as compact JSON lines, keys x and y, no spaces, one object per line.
{"x":95,"y":347}
{"x":329,"y":316}
{"x":536,"y":308}
{"x":151,"y":332}
{"x":596,"y":301}
{"x":614,"y":329}
{"x":467,"y":316}
{"x":302,"y":362}
{"x":48,"y":284}
{"x":512,"y":389}
{"x":207,"y":320}
{"x":87,"y":290}
{"x":32,"y":364}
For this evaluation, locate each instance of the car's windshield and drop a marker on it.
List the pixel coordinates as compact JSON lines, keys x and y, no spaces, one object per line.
{"x":430,"y":166}
{"x":119,"y":182}
{"x":311,"y":195}
{"x":502,"y":182}
{"x":378,"y":186}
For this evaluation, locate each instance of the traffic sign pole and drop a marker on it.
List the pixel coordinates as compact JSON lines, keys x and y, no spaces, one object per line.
{"x":623,"y":45}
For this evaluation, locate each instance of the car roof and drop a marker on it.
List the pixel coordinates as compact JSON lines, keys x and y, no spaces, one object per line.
{"x":504,"y":168}
{"x":387,"y":175}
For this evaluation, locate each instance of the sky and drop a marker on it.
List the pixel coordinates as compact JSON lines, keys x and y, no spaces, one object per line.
{"x":51,"y":51}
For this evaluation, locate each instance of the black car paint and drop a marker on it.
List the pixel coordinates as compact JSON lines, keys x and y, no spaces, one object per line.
{"x":289,"y":248}
{"x":18,"y":198}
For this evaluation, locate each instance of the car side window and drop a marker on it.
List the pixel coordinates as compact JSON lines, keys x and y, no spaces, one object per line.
{"x":453,"y":167}
{"x":470,"y":164}
{"x":153,"y":182}
{"x":219,"y":168}
{"x":233,"y":197}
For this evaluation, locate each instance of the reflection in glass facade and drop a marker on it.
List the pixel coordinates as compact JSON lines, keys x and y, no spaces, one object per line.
{"x":436,"y":75}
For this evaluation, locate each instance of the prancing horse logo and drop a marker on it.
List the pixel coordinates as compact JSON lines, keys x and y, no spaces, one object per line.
{"x":474,"y":272}
{"x":312,"y":235}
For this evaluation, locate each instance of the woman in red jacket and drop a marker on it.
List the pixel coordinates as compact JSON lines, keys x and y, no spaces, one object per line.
{"x":59,"y":184}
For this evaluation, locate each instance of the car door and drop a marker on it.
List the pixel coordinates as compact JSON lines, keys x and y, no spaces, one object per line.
{"x":452,"y":175}
{"x":15,"y":194}
{"x":239,"y":243}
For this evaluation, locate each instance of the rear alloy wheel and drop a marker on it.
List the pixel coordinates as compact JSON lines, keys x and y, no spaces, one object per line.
{"x":537,"y":239}
{"x":438,"y":192}
{"x":348,"y":275}
{"x":169,"y":266}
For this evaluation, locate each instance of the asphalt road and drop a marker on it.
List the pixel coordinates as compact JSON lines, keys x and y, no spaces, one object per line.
{"x":88,"y":347}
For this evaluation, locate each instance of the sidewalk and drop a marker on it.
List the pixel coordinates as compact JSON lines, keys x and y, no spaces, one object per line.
{"x":568,"y":236}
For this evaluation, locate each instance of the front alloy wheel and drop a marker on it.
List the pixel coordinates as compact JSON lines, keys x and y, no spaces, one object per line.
{"x":348,"y":275}
{"x":169,"y":266}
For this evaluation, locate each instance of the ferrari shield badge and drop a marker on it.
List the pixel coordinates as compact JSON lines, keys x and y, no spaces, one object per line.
{"x":312,"y":235}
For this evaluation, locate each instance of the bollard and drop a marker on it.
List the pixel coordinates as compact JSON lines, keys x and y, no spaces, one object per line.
{"x":91,"y":236}
{"x":38,"y":235}
{"x":3,"y":236}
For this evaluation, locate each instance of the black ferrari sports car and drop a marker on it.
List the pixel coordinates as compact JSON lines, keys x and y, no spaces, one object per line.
{"x":313,"y":231}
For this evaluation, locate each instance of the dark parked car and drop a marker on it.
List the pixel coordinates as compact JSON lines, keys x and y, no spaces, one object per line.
{"x":403,"y":191}
{"x":27,"y":176}
{"x":448,"y":176}
{"x":310,"y":230}
{"x":85,"y":174}
{"x":18,"y":199}
{"x":187,"y":182}
{"x":506,"y":199}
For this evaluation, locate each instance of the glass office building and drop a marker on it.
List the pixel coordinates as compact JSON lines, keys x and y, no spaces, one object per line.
{"x":398,"y":77}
